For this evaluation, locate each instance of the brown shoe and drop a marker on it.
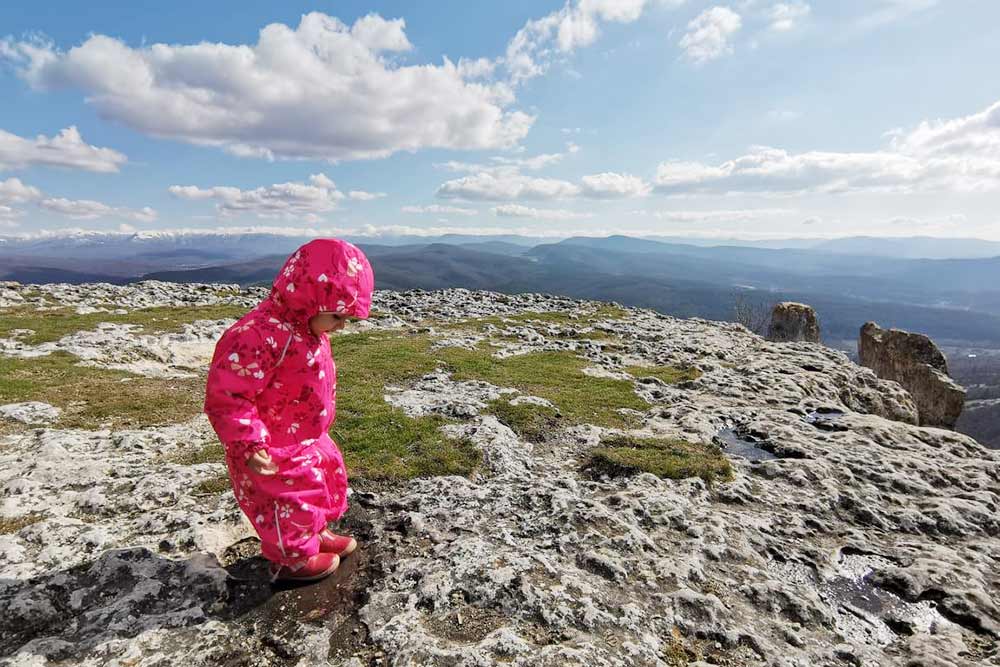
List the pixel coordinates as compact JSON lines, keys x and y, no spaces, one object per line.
{"x":312,"y":569}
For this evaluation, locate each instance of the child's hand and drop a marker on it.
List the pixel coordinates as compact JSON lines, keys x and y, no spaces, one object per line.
{"x":262,"y":464}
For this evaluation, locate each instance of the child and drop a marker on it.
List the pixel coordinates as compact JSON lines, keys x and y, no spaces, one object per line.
{"x":271,"y":397}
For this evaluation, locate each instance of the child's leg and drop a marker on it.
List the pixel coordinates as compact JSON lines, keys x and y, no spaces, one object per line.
{"x":278,"y":507}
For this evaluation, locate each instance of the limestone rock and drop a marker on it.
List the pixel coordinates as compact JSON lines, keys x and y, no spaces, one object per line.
{"x":862,"y":539}
{"x":916,"y":363}
{"x":793,"y":322}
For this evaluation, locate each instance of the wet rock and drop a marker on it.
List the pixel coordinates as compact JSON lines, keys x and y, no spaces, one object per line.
{"x":916,"y":363}
{"x":793,"y":322}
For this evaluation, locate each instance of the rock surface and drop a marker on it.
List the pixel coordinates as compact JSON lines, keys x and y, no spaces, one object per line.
{"x":863,"y":539}
{"x":916,"y":363}
{"x":793,"y":322}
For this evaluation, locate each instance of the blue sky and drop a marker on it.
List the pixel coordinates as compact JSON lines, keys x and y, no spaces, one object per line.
{"x":749,"y":119}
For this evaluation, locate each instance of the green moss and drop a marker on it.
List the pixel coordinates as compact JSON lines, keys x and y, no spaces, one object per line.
{"x":668,"y":374}
{"x":97,"y":397}
{"x":530,"y":422}
{"x":556,"y":376}
{"x":380,"y":442}
{"x":51,"y":325}
{"x":212,"y":486}
{"x":670,"y":458}
{"x":10,"y":526}
{"x":211,"y":453}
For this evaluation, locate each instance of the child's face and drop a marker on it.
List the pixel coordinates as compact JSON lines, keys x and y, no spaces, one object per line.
{"x":324,"y":322}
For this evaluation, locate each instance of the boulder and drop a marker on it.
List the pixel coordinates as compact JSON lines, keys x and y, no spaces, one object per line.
{"x":916,"y":363}
{"x":793,"y":322}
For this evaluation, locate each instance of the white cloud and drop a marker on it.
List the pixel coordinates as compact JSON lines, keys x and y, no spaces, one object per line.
{"x":719,"y":215}
{"x":438,"y":209}
{"x":519,"y":211}
{"x":507,"y":186}
{"x":959,"y":155}
{"x":13,"y":191}
{"x":66,"y":149}
{"x":709,"y":34}
{"x":610,"y":185}
{"x":577,"y":24}
{"x":320,"y":91}
{"x":785,"y":15}
{"x":281,"y":200}
{"x":87,"y":209}
{"x":885,"y":12}
{"x":361,"y":195}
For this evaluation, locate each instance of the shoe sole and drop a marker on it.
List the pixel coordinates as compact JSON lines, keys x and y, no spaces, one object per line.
{"x":315,"y":577}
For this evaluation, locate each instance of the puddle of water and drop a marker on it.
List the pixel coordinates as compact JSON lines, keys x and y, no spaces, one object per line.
{"x":744,"y":446}
{"x":868,"y":614}
{"x":826,"y":419}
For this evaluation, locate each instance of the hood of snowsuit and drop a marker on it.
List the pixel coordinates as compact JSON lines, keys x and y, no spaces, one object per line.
{"x":323,"y":275}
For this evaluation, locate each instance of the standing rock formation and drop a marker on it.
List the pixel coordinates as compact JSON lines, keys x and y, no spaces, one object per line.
{"x":793,"y":322}
{"x":915,"y":362}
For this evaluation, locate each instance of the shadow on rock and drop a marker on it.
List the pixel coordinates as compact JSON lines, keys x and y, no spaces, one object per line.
{"x":68,"y":614}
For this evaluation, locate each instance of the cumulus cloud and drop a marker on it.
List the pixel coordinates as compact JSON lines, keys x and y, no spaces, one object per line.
{"x":958,"y":155}
{"x":783,"y":16}
{"x":87,"y":209}
{"x":66,"y":149}
{"x":322,"y":90}
{"x":577,"y":24}
{"x":362,"y":195}
{"x":512,"y":185}
{"x":438,"y":209}
{"x":610,"y":185}
{"x":281,"y":200}
{"x":14,"y":191}
{"x":519,"y":211}
{"x":506,"y":186}
{"x":709,"y":35}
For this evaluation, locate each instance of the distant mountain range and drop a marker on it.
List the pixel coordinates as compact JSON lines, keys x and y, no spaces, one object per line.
{"x":893,"y":281}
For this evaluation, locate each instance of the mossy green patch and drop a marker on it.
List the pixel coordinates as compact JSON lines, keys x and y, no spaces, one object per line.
{"x":9,"y":526}
{"x":559,"y":317}
{"x":557,"y":376}
{"x":668,"y":374}
{"x":379,"y":441}
{"x":98,"y":397}
{"x":533,"y":423}
{"x":210,"y":453}
{"x":663,"y":457}
{"x":51,"y":325}
{"x":212,"y":485}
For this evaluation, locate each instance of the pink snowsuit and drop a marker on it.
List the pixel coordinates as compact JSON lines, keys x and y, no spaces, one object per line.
{"x":272,"y":385}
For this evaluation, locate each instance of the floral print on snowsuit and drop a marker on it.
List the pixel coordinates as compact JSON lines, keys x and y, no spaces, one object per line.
{"x":272,"y":386}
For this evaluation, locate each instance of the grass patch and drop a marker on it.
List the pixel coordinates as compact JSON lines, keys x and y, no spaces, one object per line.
{"x":212,"y":486}
{"x":530,"y":422}
{"x":211,"y":453}
{"x":380,"y":442}
{"x":602,"y":313}
{"x":669,"y":458}
{"x":667,"y":374}
{"x":556,"y":376}
{"x":96,"y":397}
{"x":51,"y":325}
{"x":10,"y":526}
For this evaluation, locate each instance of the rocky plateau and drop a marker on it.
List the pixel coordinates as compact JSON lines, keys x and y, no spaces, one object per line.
{"x":847,"y":535}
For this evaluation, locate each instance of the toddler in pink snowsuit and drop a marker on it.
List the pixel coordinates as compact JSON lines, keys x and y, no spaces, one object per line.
{"x":271,"y":398}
